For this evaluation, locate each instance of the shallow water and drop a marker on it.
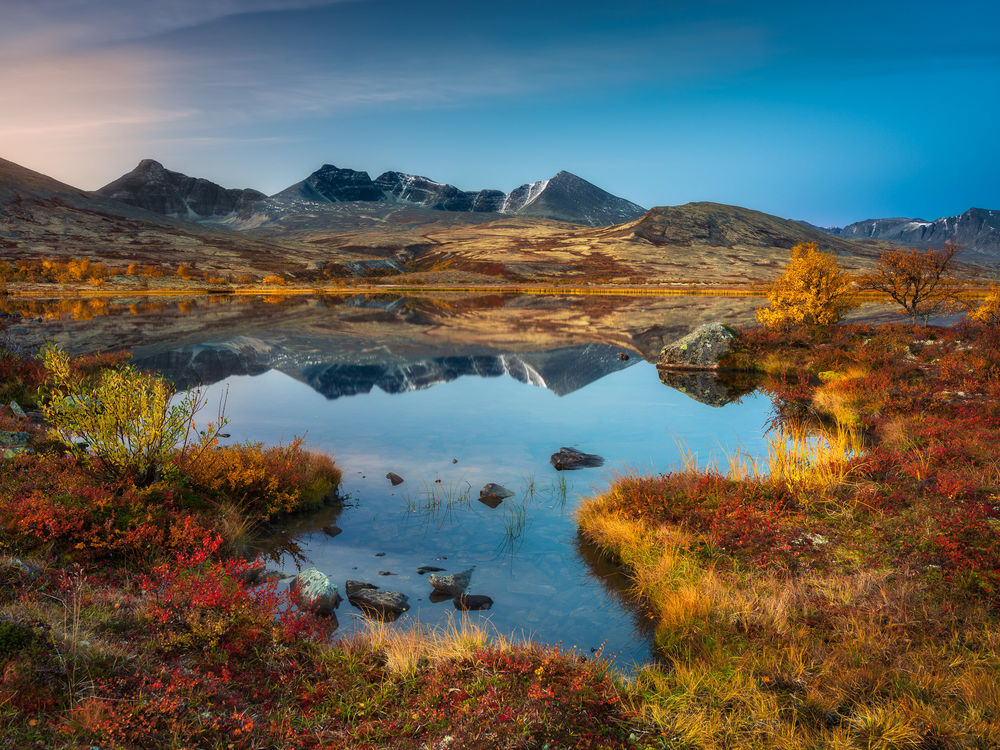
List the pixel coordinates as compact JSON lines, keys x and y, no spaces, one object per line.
{"x":449,"y":439}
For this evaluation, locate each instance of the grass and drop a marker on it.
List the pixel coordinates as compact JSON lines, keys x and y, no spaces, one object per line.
{"x":842,"y":592}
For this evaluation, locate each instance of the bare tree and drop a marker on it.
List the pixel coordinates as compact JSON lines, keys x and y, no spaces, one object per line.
{"x":923,"y":282}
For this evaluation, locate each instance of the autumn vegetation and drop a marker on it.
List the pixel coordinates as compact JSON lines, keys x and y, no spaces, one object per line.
{"x":129,"y":617}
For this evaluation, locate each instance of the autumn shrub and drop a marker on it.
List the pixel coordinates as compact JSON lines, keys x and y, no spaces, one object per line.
{"x":988,"y":312}
{"x":266,"y":482}
{"x":813,"y":291}
{"x":123,"y":417}
{"x":274,"y":280}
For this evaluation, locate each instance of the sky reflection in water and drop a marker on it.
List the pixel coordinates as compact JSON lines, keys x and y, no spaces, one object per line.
{"x":500,"y":430}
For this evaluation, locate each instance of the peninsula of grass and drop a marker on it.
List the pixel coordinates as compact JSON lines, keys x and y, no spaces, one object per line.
{"x":846,"y":592}
{"x":129,"y":617}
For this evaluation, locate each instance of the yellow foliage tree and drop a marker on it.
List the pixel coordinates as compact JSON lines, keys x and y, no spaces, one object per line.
{"x":988,"y":312}
{"x":812,"y":291}
{"x":124,"y":417}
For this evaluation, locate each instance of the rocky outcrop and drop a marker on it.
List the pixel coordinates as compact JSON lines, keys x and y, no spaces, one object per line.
{"x":700,"y":349}
{"x":315,"y":592}
{"x":153,"y":187}
{"x":570,"y":459}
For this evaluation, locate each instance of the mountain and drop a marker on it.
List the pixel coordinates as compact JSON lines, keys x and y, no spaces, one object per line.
{"x":721,"y":226}
{"x":566,"y":197}
{"x":42,"y":217}
{"x":155,"y":188}
{"x":330,"y":184}
{"x":977,"y":232}
{"x":425,"y":192}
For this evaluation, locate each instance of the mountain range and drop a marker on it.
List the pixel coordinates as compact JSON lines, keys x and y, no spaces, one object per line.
{"x":563,"y":197}
{"x":977,"y":232}
{"x":339,"y":222}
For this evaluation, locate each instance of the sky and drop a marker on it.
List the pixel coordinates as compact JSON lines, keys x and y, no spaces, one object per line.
{"x":828,"y":112}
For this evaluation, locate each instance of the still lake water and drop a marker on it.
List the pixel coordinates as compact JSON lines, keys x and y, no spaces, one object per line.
{"x":449,"y":392}
{"x":447,"y":439}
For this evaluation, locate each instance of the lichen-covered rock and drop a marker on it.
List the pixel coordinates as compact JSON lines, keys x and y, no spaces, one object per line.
{"x":452,"y":584}
{"x":700,"y":349}
{"x":315,"y":592}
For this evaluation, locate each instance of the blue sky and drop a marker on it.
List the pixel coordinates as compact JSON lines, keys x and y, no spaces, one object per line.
{"x":830,"y":113}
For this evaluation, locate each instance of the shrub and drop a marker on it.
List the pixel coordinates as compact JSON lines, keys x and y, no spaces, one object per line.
{"x":988,"y":312}
{"x":274,"y":279}
{"x":124,"y":416}
{"x":266,"y":482}
{"x":813,"y":291}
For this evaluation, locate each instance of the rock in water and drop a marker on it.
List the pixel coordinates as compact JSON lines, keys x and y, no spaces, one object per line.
{"x":315,"y":592}
{"x":394,"y":478}
{"x":570,"y":459}
{"x":700,"y":349}
{"x":386,"y":605}
{"x":493,"y":494}
{"x":471,"y":602}
{"x":353,"y":587}
{"x":452,"y":584}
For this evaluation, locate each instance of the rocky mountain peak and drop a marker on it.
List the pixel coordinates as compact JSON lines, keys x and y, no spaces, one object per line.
{"x":155,"y":188}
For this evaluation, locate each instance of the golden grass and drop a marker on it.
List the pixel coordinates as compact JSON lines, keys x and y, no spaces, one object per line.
{"x":408,"y":649}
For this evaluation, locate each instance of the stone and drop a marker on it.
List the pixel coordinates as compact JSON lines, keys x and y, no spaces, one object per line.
{"x":428,"y":569}
{"x":315,"y":592}
{"x":352,"y":587}
{"x":711,"y":387}
{"x":700,"y":349}
{"x":332,"y":531}
{"x":493,"y":494}
{"x":570,"y":459}
{"x":451,"y":584}
{"x":17,"y":411}
{"x":623,"y":357}
{"x":10,"y":439}
{"x":385,"y":605}
{"x":394,"y":478}
{"x":472,"y":602}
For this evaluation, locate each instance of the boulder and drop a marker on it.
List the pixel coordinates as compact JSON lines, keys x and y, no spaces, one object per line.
{"x":451,"y":584}
{"x":570,"y":459}
{"x":352,"y":587}
{"x":700,"y":349}
{"x":385,"y":605}
{"x":17,"y":411}
{"x":315,"y":592}
{"x":713,"y":387}
{"x":471,"y":602}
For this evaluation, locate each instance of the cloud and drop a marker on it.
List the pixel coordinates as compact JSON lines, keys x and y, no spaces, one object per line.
{"x":44,"y":26}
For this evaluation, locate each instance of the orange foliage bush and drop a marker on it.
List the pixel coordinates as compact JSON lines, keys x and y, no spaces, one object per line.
{"x":266,"y":481}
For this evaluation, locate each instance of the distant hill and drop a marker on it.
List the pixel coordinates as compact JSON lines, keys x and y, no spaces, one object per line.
{"x":976,"y":232}
{"x":719,"y":225}
{"x":153,"y":187}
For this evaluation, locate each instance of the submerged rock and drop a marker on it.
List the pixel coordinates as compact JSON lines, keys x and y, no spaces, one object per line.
{"x":452,"y":584}
{"x":700,"y":349}
{"x":373,"y":601}
{"x":331,"y":530}
{"x":394,"y":478}
{"x":493,"y":494}
{"x":471,"y":602}
{"x":428,"y":569}
{"x":570,"y":459}
{"x":315,"y":592}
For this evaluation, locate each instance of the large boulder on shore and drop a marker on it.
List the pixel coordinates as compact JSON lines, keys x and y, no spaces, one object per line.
{"x":700,"y":349}
{"x":315,"y":592}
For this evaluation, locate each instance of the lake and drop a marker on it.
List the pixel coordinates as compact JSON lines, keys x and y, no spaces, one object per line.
{"x":450,"y":395}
